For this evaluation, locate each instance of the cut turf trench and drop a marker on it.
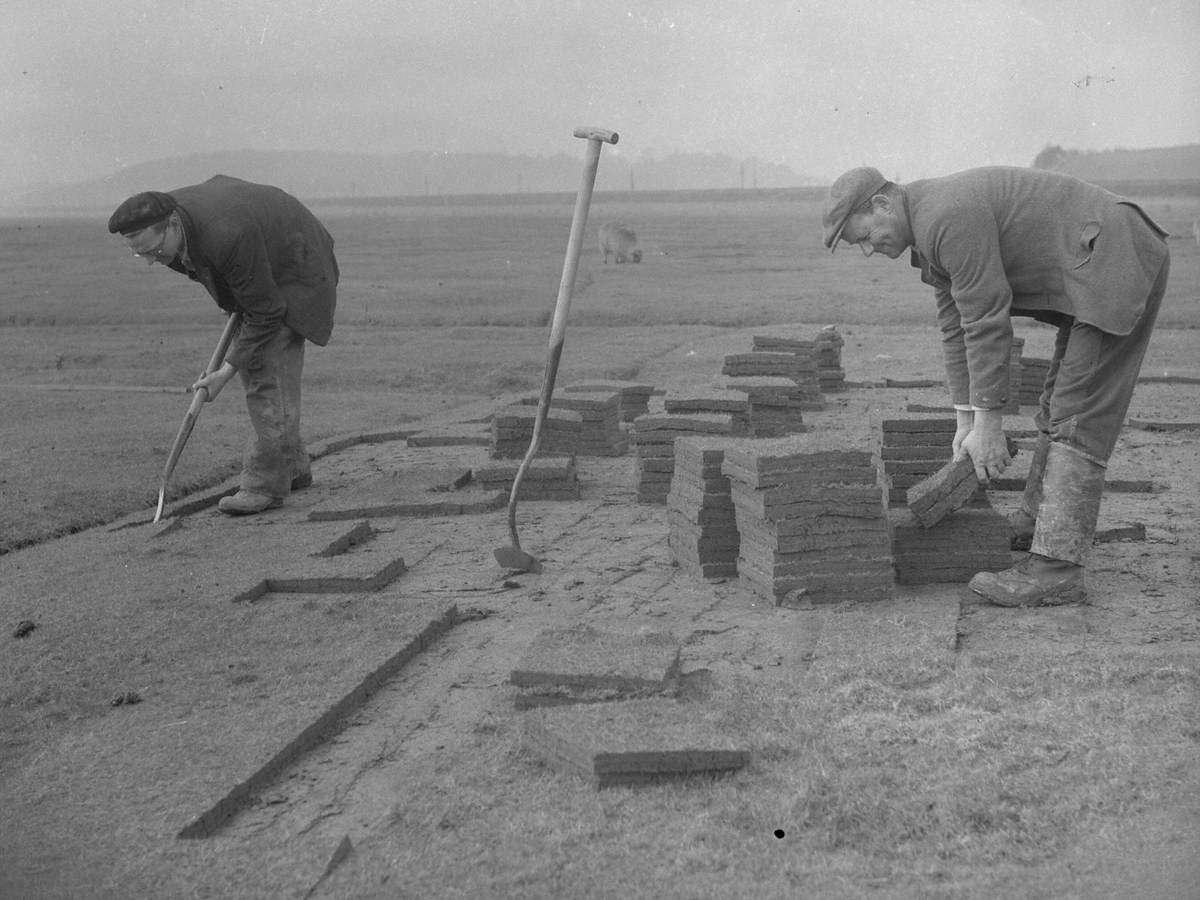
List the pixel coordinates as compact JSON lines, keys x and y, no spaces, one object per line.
{"x":324,"y":727}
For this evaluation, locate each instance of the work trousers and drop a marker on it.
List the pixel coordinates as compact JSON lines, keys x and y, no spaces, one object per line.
{"x":1091,"y":378}
{"x":275,"y":454}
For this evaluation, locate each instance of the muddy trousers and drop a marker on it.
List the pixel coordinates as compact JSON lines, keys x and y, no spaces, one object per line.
{"x":1091,"y":379}
{"x":275,"y":454}
{"x":1083,"y":405}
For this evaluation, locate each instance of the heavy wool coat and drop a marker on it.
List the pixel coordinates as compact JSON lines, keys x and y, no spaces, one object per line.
{"x":259,"y":251}
{"x":997,"y":242}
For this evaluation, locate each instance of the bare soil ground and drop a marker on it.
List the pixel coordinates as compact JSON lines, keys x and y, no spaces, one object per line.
{"x":928,"y":746}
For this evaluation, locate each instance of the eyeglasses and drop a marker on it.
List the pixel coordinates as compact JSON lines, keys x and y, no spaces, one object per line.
{"x":158,"y":253}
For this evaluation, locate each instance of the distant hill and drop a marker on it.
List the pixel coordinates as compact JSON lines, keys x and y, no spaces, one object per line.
{"x":320,"y":174}
{"x":1108,"y":166}
{"x":315,"y":174}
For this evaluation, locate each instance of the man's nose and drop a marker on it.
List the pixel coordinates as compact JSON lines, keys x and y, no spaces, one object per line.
{"x":866,"y":247}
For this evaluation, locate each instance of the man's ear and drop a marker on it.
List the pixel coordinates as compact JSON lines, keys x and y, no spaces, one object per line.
{"x":881,"y":203}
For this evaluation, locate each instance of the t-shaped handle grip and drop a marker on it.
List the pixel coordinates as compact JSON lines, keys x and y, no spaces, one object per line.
{"x":597,"y":134}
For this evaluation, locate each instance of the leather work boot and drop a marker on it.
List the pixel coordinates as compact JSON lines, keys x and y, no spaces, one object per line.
{"x":245,"y":503}
{"x":1036,"y":581}
{"x":1023,"y":520}
{"x":1066,"y":524}
{"x":300,"y":482}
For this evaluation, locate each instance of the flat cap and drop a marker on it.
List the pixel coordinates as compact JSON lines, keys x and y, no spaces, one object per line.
{"x":852,"y":190}
{"x":140,"y":211}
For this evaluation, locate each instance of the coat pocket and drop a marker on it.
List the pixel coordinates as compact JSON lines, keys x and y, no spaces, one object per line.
{"x":1087,"y":243}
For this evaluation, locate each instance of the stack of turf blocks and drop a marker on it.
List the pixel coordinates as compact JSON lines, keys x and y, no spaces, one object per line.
{"x":702,"y":535}
{"x":831,"y":377}
{"x":600,"y":431}
{"x":546,"y":478}
{"x":967,"y":541}
{"x":654,"y":437}
{"x":634,"y":396}
{"x":716,"y":401}
{"x":512,"y":432}
{"x":776,"y":404}
{"x":1013,"y":404}
{"x":811,"y":519}
{"x":912,"y":450}
{"x":971,"y":539}
{"x":1033,"y":377}
{"x":802,"y":369}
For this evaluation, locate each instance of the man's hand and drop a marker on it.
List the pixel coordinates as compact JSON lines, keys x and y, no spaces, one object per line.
{"x":213,"y":382}
{"x":966,"y":421}
{"x":986,"y":444}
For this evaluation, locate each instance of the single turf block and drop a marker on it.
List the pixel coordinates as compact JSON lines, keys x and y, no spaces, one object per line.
{"x":635,"y":742}
{"x":590,"y":664}
{"x":946,"y":490}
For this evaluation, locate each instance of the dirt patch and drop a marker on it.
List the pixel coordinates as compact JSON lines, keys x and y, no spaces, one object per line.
{"x":839,"y":704}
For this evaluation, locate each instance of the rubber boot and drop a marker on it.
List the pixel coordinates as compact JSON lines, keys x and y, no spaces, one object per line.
{"x":1066,"y":525}
{"x":246,"y":503}
{"x":1024,"y":518}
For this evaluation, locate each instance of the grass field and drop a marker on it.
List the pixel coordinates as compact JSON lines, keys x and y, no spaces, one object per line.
{"x":441,"y":302}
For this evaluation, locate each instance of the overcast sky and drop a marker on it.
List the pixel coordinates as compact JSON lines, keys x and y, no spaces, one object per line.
{"x":916,"y":88}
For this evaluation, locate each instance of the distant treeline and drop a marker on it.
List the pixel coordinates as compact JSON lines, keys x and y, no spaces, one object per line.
{"x":1147,"y":187}
{"x":1165,"y":165}
{"x":466,"y":177}
{"x":309,"y":174}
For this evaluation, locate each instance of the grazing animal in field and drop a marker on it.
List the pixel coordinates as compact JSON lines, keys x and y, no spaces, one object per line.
{"x":619,"y":241}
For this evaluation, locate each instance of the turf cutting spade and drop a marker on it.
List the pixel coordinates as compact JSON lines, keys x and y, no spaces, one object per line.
{"x":513,"y":557}
{"x":193,"y":413}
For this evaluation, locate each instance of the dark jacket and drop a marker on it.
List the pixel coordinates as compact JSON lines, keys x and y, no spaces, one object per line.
{"x":261,"y":252}
{"x":997,"y":242}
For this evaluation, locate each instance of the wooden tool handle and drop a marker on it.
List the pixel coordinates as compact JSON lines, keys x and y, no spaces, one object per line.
{"x":583,"y":199}
{"x":597,"y":134}
{"x":232,"y":324}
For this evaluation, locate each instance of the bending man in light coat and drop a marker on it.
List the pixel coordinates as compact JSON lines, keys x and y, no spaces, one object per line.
{"x":998,"y":242}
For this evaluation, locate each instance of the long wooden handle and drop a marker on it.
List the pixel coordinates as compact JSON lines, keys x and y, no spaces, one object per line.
{"x":231,"y":329}
{"x":189,"y":420}
{"x":597,"y":134}
{"x":583,"y":199}
{"x":575,"y":243}
{"x":201,"y":397}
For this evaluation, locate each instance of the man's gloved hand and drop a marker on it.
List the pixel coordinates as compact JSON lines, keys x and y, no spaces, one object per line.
{"x":212,"y":383}
{"x":986,"y":444}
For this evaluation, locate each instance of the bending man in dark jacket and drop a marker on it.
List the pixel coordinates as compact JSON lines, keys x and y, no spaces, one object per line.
{"x":998,"y":242}
{"x":260,"y":252}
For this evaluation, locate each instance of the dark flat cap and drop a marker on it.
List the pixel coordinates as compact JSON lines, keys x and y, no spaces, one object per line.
{"x":140,"y":211}
{"x":851,"y":191}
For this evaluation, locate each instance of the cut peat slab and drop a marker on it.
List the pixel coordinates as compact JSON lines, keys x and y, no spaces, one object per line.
{"x":636,"y":742}
{"x":946,"y":490}
{"x":582,"y":664}
{"x":546,"y":478}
